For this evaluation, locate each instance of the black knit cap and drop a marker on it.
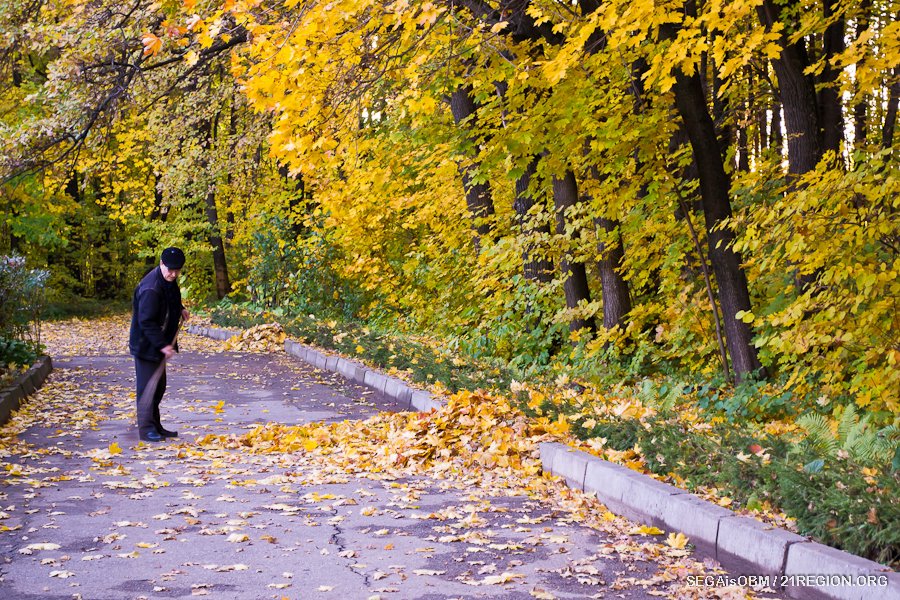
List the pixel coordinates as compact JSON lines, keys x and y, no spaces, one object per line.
{"x":173,"y":258}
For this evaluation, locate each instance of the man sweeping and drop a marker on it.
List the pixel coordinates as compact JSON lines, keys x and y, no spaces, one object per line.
{"x":156,"y":317}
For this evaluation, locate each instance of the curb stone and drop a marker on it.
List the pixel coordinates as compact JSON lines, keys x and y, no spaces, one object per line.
{"x":11,"y":398}
{"x":396,"y":389}
{"x":212,"y":332}
{"x":747,"y":546}
{"x":742,"y":544}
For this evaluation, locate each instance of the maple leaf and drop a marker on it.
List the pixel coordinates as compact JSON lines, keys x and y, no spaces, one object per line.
{"x":152,"y":44}
{"x":677,"y":540}
{"x":645,"y":530}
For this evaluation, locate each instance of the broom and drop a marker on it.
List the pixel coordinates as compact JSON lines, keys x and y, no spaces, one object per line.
{"x":153,"y":383}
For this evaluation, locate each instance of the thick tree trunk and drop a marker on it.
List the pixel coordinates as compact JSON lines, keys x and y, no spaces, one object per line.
{"x":575,"y":285}
{"x":478,"y":193}
{"x":798,"y":97}
{"x":220,"y":266}
{"x":733,"y":292}
{"x":160,"y":212}
{"x":611,"y":252}
{"x":533,"y":268}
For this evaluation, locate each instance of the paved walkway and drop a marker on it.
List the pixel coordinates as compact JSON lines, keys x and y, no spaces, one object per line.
{"x":79,"y":519}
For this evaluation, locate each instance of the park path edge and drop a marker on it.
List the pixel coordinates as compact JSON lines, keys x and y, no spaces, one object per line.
{"x":772,"y":557}
{"x":12,"y":396}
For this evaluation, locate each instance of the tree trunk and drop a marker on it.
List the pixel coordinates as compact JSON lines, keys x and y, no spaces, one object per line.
{"x":733,"y":292}
{"x":611,"y":251}
{"x":890,"y":117}
{"x":798,"y":97}
{"x":860,"y":125}
{"x":575,"y":286}
{"x":616,"y":299}
{"x":535,"y":269}
{"x":478,"y":193}
{"x":160,"y":212}
{"x":295,"y":200}
{"x":831,"y":112}
{"x":220,"y":265}
{"x":776,"y":138}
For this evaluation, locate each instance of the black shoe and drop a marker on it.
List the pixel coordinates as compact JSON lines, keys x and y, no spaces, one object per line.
{"x":166,"y":433}
{"x":151,"y":436}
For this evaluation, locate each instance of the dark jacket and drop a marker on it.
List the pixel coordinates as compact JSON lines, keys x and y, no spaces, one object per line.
{"x":156,"y":312}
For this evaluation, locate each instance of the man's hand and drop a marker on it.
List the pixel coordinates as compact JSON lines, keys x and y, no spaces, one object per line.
{"x":168,"y":351}
{"x":185,"y":314}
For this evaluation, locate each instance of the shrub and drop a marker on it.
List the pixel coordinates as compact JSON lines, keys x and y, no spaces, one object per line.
{"x":17,"y":353}
{"x":21,"y":301}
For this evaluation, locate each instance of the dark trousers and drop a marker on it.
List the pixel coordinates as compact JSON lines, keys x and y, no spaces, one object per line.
{"x":148,"y":408}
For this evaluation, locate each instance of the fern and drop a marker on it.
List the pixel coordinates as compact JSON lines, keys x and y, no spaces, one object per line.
{"x":820,"y":439}
{"x":847,"y":423}
{"x":887,"y":444}
{"x":852,"y":435}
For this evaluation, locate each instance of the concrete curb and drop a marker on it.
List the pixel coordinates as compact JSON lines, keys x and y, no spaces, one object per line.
{"x":30,"y":381}
{"x":790,"y":563}
{"x":396,"y":389}
{"x":212,"y":332}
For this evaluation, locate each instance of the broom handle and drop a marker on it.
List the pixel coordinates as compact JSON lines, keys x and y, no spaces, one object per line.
{"x":150,"y":388}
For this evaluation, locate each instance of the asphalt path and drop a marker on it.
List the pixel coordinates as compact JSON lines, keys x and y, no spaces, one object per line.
{"x":87,"y":511}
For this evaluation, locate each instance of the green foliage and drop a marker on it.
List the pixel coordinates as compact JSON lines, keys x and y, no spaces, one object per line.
{"x":843,"y":504}
{"x":838,"y":337}
{"x":853,"y":436}
{"x":849,"y":500}
{"x":21,"y":300}
{"x":520,"y":331}
{"x":752,"y":400}
{"x":293,"y":268}
{"x":17,"y":353}
{"x":84,"y":308}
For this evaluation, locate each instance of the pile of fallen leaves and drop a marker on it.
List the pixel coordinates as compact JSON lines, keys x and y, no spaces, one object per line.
{"x":262,"y":338}
{"x":472,"y":431}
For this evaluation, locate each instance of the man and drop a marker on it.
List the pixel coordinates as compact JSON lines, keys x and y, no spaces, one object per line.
{"x":157,"y":310}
